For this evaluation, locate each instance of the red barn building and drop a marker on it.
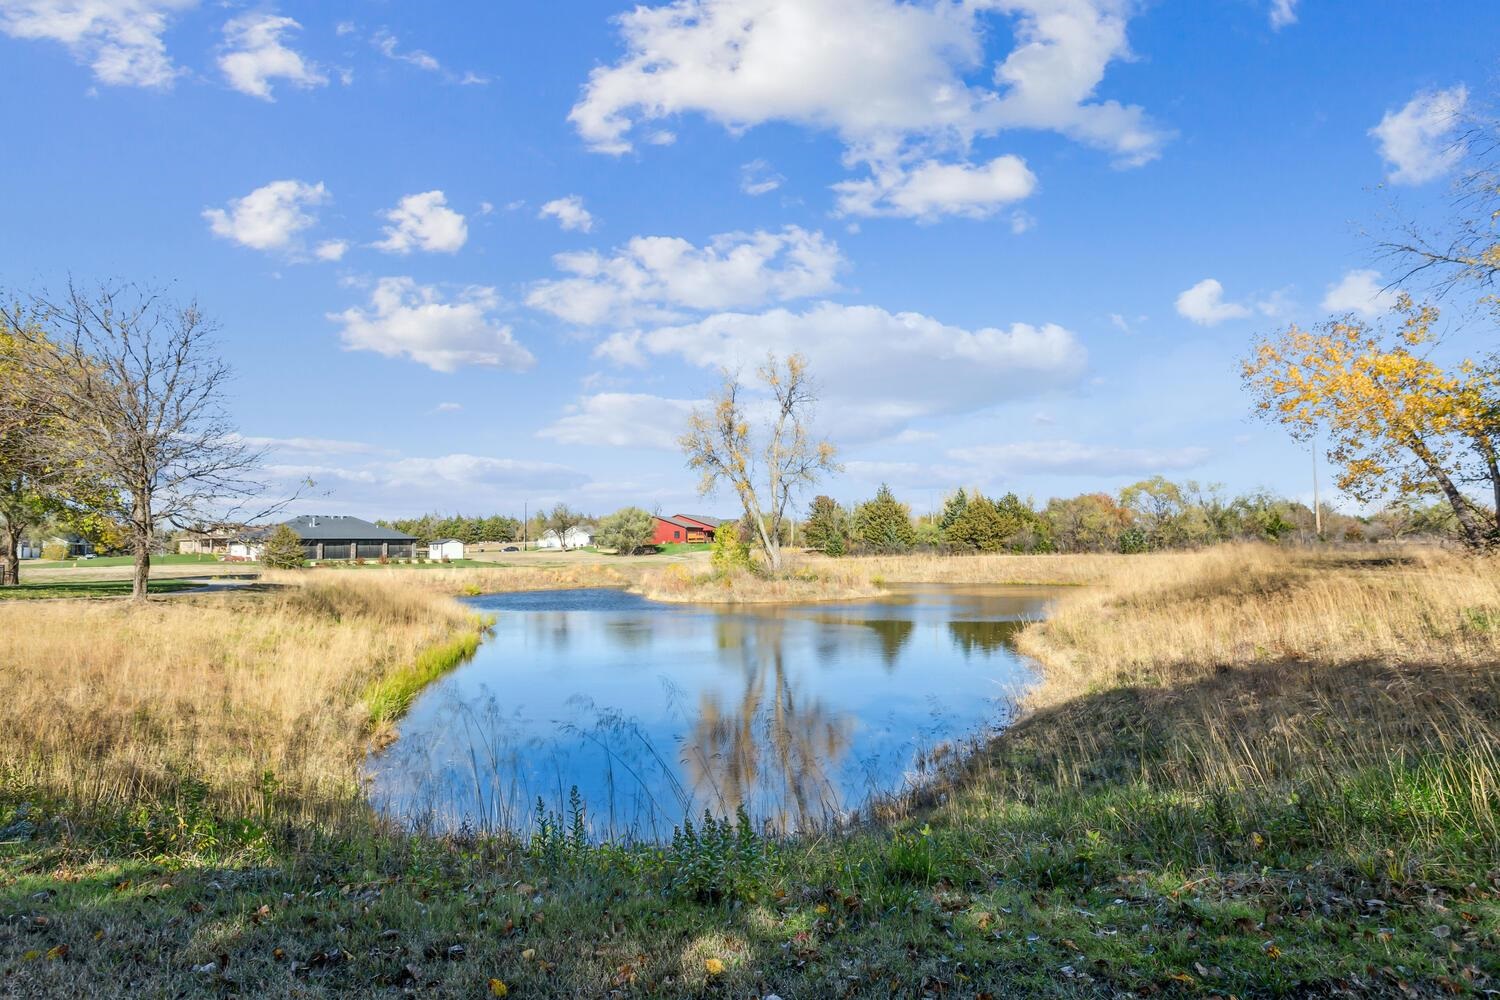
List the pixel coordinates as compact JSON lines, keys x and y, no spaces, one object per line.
{"x":680,"y":529}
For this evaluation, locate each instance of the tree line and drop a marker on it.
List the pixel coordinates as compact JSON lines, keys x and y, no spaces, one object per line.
{"x":469,"y":530}
{"x":1151,"y":515}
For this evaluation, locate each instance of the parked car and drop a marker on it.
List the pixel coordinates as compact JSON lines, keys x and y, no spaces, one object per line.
{"x":511,"y":548}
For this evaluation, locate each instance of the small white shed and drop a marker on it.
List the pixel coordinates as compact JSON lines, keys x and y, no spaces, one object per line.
{"x":445,"y":548}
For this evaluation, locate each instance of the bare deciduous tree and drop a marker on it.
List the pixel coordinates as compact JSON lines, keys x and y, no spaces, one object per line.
{"x":563,"y":520}
{"x":766,"y":467}
{"x":1465,"y":247}
{"x":141,"y":385}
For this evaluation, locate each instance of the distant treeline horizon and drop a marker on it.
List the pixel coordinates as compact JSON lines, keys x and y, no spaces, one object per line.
{"x":1154,"y":513}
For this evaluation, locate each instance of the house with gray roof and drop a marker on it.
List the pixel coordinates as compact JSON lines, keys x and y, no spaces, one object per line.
{"x":335,"y":536}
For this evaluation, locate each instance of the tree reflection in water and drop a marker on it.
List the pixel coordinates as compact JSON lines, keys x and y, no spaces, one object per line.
{"x":797,"y":714}
{"x":772,"y":753}
{"x":984,"y":637}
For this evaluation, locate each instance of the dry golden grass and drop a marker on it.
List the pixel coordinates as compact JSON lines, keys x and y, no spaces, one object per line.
{"x":1176,"y":618}
{"x":1041,"y":570}
{"x":677,"y":583}
{"x":112,"y":705}
{"x":461,"y":581}
{"x":1263,"y":677}
{"x":810,"y":576}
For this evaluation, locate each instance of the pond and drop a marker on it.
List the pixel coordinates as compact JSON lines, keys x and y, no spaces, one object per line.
{"x":799,"y":714}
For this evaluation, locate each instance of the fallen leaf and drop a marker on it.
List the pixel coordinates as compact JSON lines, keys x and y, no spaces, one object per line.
{"x":498,"y":988}
{"x":714,"y":966}
{"x":59,"y":951}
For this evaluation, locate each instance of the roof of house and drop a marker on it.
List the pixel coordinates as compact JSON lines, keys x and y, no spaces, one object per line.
{"x":446,"y":541}
{"x":342,"y":528}
{"x":582,"y":529}
{"x":674,"y":520}
{"x":712,"y":522}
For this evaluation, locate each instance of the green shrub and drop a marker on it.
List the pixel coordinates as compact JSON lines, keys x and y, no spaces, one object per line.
{"x":283,"y":549}
{"x":729,"y":552}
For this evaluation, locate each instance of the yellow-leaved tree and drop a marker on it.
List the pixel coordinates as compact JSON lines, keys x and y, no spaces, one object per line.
{"x":1396,"y":420}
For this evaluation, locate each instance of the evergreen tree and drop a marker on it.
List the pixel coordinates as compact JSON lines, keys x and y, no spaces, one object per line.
{"x":1025,"y":529}
{"x":282,"y":549}
{"x":953,"y":508}
{"x":827,"y":526}
{"x":884,"y":523}
{"x":980,"y":527}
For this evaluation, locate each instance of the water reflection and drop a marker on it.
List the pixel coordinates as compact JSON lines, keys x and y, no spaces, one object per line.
{"x":795,"y":714}
{"x":771,"y":744}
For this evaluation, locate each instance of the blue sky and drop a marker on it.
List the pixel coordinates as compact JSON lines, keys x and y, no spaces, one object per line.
{"x":470,"y":255}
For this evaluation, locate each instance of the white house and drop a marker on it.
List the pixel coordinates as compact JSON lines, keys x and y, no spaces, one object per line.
{"x":445,"y":548}
{"x":576,"y":538}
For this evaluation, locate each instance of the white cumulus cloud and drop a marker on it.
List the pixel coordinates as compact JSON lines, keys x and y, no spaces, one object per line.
{"x":1419,"y":141}
{"x":1360,"y":292}
{"x":120,"y":40}
{"x":622,"y":420}
{"x":331,"y":250}
{"x":424,"y":222}
{"x":569,"y":213}
{"x":892,"y":79}
{"x":255,"y":55}
{"x":1283,"y":13}
{"x":878,"y":370}
{"x":405,"y":319}
{"x":929,"y":190}
{"x":270,"y":217}
{"x":463,"y":470}
{"x":655,"y":277}
{"x":1204,"y":304}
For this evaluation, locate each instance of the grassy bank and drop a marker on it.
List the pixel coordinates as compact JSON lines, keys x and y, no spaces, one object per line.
{"x":680,"y":584}
{"x":251,"y":705}
{"x":1246,"y":772}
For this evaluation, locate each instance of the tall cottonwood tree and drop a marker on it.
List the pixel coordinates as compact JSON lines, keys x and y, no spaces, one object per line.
{"x":766,"y":465}
{"x":1396,"y":420}
{"x":142,"y":387}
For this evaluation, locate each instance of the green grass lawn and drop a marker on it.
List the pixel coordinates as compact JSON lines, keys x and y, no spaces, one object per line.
{"x":678,"y":548}
{"x":100,"y":561}
{"x":393,"y":564}
{"x":89,"y":589}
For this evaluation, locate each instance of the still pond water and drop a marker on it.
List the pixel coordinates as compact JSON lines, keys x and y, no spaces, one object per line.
{"x":799,"y":714}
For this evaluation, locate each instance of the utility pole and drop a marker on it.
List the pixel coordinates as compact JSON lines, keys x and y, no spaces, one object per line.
{"x":1317,"y":506}
{"x":525,"y":523}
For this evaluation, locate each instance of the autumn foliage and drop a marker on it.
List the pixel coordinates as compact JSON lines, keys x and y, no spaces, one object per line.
{"x":1396,"y":420}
